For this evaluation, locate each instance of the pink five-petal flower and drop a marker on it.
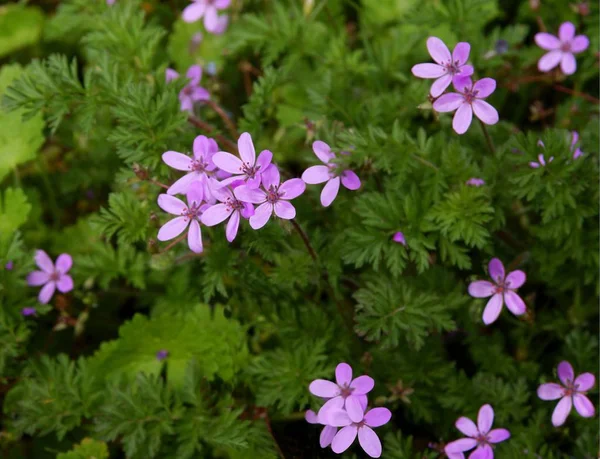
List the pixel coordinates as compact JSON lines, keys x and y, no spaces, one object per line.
{"x":249,"y":168}
{"x":363,"y":428}
{"x":561,"y":49}
{"x":501,"y":290}
{"x":209,"y":10}
{"x":576,"y":151}
{"x":571,"y":392}
{"x":346,"y":393}
{"x":197,"y":167}
{"x":329,"y":173}
{"x":188,"y":216}
{"x":327,"y":433}
{"x":229,"y":207}
{"x":273,"y":197}
{"x":468,"y":100}
{"x":51,"y":276}
{"x":448,"y":66}
{"x":479,"y":436}
{"x":192,"y":92}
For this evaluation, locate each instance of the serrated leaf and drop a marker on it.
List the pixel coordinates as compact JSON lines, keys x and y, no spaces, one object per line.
{"x":14,"y":210}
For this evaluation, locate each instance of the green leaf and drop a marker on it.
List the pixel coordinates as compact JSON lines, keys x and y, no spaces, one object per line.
{"x":14,"y":210}
{"x":87,"y":449}
{"x":19,"y":27}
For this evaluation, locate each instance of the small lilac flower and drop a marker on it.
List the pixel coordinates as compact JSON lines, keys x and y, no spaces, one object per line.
{"x":399,"y":238}
{"x":329,"y":173}
{"x":110,"y":2}
{"x":572,"y":392}
{"x":327,"y":433}
{"x":467,"y":101}
{"x":542,"y":161}
{"x":162,"y":355}
{"x":26,"y":312}
{"x":479,"y":436}
{"x":189,"y":216}
{"x":576,"y":151}
{"x":229,"y":207}
{"x":363,"y":428}
{"x":473,"y":181}
{"x":197,"y":167}
{"x":346,"y":393}
{"x":192,"y":92}
{"x":272,"y":198}
{"x":448,"y":66}
{"x":561,"y":49}
{"x":9,"y":265}
{"x":502,"y":290}
{"x":209,"y":10}
{"x":51,"y":276}
{"x":249,"y":168}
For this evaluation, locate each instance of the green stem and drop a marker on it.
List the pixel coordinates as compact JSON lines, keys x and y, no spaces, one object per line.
{"x":488,"y":139}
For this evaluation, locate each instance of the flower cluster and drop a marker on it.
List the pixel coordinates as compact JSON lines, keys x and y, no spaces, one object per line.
{"x":346,"y":407}
{"x":192,"y":91}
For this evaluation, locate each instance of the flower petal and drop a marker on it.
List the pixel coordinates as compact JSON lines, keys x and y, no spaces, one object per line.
{"x":261,"y":215}
{"x":448,"y":102}
{"x":316,"y":174}
{"x":568,"y":64}
{"x":323,"y":151}
{"x":369,"y":441}
{"x":343,"y":439}
{"x":311,"y":417}
{"x":327,"y":435}
{"x":583,"y":405}
{"x":485,"y":112}
{"x":498,"y":435}
{"x":172,"y":229}
{"x":171,"y":75}
{"x":331,"y":406}
{"x":44,"y":262}
{"x":485,"y":419}
{"x":377,"y":417}
{"x":496,"y":270}
{"x":216,"y":214}
{"x":222,"y":4}
{"x":428,"y":70}
{"x":565,"y":372}
{"x":195,"y":193}
{"x":515,"y":279}
{"x":343,"y":374}
{"x":481,"y":289}
{"x":285,"y":210}
{"x":354,"y":408}
{"x":438,"y":50}
{"x":194,"y":74}
{"x":461,"y":53}
{"x":177,"y":160}
{"x":562,"y":410}
{"x":195,"y":237}
{"x":65,"y":283}
{"x":264,"y":160}
{"x":492,"y":309}
{"x":330,"y":191}
{"x":549,"y":60}
{"x":171,"y":204}
{"x":362,"y":385}
{"x":440,"y":85}
{"x":246,"y":148}
{"x":46,"y":292}
{"x":462,"y":118}
{"x":245,"y":194}
{"x":547,"y":41}
{"x":584,"y":382}
{"x":462,"y":444}
{"x":579,"y":43}
{"x":350,"y":180}
{"x":514,"y":303}
{"x":228,"y":162}
{"x":482,"y":452}
{"x":324,"y":388}
{"x":64,"y":263}
{"x":232,"y":226}
{"x":292,"y":188}
{"x":566,"y":31}
{"x":270,"y":177}
{"x":193,"y":12}
{"x":466,"y":426}
{"x":182,"y":185}
{"x":202,"y":147}
{"x":484,"y":87}
{"x":550,"y":391}
{"x":37,"y":278}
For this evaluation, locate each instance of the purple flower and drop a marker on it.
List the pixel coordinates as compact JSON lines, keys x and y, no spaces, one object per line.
{"x":197,"y":167}
{"x":572,"y":392}
{"x":189,"y":215}
{"x":162,"y":354}
{"x":273,"y":197}
{"x":502,"y":290}
{"x":469,"y":99}
{"x":327,"y":433}
{"x":576,"y":151}
{"x":399,"y":238}
{"x":363,"y":428}
{"x":479,"y":436}
{"x":9,"y":265}
{"x":561,"y":49}
{"x":26,"y":312}
{"x":110,"y":2}
{"x":542,"y":161}
{"x":209,"y":10}
{"x":249,"y":168}
{"x":192,"y":92}
{"x":473,"y":181}
{"x":229,"y":207}
{"x":51,"y":277}
{"x":448,"y":66}
{"x":346,"y":393}
{"x":329,"y":173}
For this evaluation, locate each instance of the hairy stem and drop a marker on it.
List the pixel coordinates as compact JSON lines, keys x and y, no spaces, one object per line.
{"x":174,"y":243}
{"x":488,"y":139}
{"x":209,"y":129}
{"x":228,"y":121}
{"x":573,"y":92}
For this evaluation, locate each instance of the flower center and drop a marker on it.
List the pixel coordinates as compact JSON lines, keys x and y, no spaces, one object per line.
{"x":55,"y":276}
{"x":234,"y":204}
{"x":452,"y":67}
{"x":191,"y":212}
{"x":565,"y":47}
{"x":482,"y":440}
{"x":188,"y":90}
{"x":250,"y":171}
{"x":346,"y":391}
{"x":571,"y":388}
{"x":198,"y":166}
{"x":470,"y":95}
{"x":273,"y":196}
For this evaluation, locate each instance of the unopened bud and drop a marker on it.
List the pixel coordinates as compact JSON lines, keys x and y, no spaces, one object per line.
{"x":140,"y":172}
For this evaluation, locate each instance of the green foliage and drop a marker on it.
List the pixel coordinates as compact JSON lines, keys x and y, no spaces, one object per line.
{"x":87,"y":449}
{"x":14,"y":210}
{"x":19,"y":27}
{"x":126,"y":217}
